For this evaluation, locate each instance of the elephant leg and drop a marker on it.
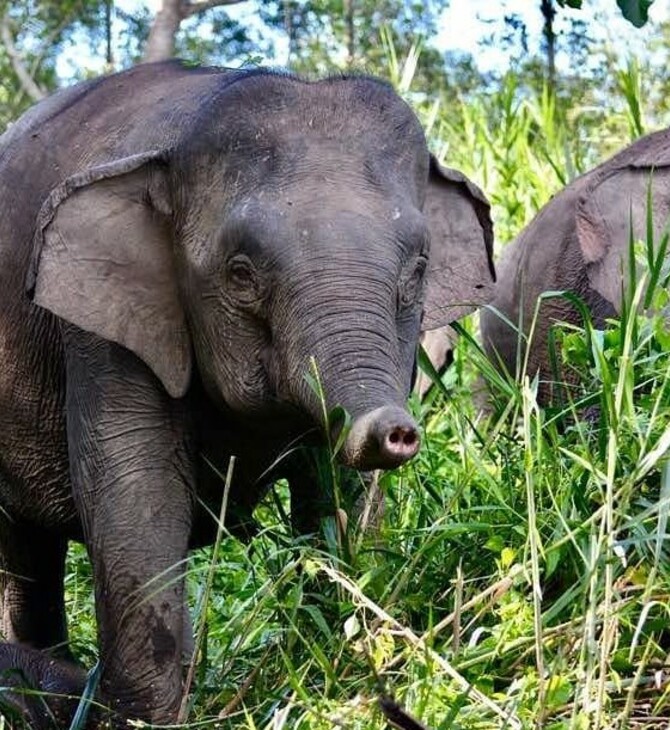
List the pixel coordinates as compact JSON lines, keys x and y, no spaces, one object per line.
{"x":311,"y":497}
{"x":132,"y":469}
{"x":60,"y":684}
{"x":33,"y":565}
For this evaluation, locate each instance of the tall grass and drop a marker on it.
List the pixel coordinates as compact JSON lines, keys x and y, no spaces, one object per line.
{"x":520,"y":577}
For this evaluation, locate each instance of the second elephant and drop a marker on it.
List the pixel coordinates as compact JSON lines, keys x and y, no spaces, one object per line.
{"x":579,"y":242}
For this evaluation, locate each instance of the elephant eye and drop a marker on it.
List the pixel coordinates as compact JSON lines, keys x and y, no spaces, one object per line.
{"x":412,"y":286}
{"x":241,"y":271}
{"x":242,"y":281}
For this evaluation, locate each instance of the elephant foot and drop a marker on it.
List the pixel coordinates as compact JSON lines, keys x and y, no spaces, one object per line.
{"x":38,"y":691}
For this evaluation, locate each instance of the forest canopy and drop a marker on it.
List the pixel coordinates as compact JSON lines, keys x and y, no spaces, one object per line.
{"x":45,"y":43}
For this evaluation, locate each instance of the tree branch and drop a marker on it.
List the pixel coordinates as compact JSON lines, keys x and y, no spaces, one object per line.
{"x":28,"y":83}
{"x":46,"y":44}
{"x":194,"y":8}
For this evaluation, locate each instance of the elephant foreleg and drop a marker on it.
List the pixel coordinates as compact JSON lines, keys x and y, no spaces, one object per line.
{"x":32,"y":562}
{"x":132,"y":474}
{"x":38,"y":691}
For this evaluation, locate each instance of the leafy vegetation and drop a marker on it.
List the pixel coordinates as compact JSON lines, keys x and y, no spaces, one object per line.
{"x":520,"y":576}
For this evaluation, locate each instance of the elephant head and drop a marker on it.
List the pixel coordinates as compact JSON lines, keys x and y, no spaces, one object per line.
{"x":286,"y":223}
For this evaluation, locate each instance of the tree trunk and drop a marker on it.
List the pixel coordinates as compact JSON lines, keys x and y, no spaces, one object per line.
{"x":161,"y":43}
{"x":109,"y":58}
{"x":163,"y":32}
{"x":549,"y":13}
{"x":290,"y":31}
{"x":350,"y":31}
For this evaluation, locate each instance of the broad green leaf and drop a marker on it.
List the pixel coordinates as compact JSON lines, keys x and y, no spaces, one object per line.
{"x":635,"y":11}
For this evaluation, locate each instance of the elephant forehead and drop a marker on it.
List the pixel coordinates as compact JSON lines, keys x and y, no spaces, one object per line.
{"x":334,"y":106}
{"x":330,"y":208}
{"x":318,"y":163}
{"x":269,"y":125}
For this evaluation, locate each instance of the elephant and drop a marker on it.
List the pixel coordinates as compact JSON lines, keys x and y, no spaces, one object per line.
{"x":578,"y":242}
{"x":179,"y":248}
{"x":439,"y":345}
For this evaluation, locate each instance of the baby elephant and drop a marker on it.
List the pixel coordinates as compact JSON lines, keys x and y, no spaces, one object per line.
{"x":578,"y":242}
{"x":180,"y":250}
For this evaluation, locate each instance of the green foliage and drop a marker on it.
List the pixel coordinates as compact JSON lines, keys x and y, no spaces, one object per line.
{"x":40,"y":30}
{"x":322,"y":36}
{"x":635,"y":11}
{"x":87,"y":698}
{"x":326,"y":36}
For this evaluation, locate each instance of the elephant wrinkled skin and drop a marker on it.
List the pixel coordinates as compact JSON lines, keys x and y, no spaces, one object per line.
{"x":191,"y":240}
{"x":579,"y":243}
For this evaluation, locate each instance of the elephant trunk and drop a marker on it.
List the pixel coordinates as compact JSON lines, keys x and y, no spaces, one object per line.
{"x":348,"y":342}
{"x":381,"y":439}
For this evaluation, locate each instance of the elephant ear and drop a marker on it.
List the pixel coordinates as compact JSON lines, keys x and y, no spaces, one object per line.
{"x":612,"y":202}
{"x":103,"y":260}
{"x":461,"y":274}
